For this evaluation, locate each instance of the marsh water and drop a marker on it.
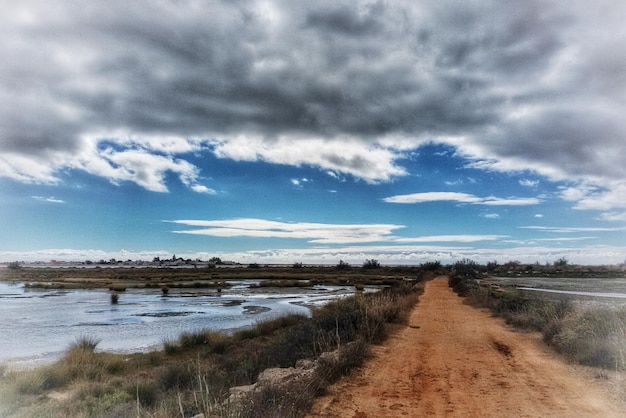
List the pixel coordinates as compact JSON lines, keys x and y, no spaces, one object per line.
{"x":38,"y":325}
{"x":606,"y":291}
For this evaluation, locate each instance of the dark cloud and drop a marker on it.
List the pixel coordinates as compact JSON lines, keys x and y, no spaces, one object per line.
{"x":497,"y":73}
{"x":348,"y":20}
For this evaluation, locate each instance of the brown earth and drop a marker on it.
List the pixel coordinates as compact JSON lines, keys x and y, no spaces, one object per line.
{"x":458,"y":361}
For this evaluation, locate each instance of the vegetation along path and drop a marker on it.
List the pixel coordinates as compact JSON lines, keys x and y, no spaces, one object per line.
{"x":456,"y":360}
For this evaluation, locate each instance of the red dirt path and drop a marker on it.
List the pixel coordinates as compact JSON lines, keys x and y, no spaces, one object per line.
{"x":454,"y":360}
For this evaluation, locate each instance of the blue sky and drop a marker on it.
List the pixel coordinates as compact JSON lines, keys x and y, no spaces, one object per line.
{"x":281,"y":132}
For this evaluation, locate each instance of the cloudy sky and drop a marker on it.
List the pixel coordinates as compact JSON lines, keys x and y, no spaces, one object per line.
{"x":282,"y":131}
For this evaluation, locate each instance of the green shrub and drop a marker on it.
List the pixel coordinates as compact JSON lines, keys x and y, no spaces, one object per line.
{"x":331,"y":367}
{"x":343,"y":265}
{"x":85,"y":343}
{"x":593,"y":336}
{"x":146,"y":393}
{"x":176,"y":376}
{"x":99,"y":400}
{"x":269,"y":326}
{"x":463,"y":276}
{"x":14,"y":265}
{"x":293,"y":343}
{"x":28,"y":382}
{"x":171,"y":347}
{"x":371,"y":264}
{"x":193,"y":339}
{"x":210,"y":341}
{"x":55,"y":377}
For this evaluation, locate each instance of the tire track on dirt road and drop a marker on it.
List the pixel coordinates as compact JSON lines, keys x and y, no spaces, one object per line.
{"x":454,"y":360}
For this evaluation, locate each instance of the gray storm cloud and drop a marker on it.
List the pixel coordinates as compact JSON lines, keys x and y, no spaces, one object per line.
{"x":537,"y":84}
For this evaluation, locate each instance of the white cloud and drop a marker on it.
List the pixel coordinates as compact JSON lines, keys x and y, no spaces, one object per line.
{"x":593,"y":255}
{"x":461,"y":198}
{"x":50,"y":199}
{"x":613,"y":216}
{"x":538,"y":215}
{"x":346,"y":154}
{"x":32,"y":168}
{"x":491,"y":216}
{"x":199,"y":188}
{"x":591,"y":197}
{"x":433,"y":197}
{"x":529,"y":183}
{"x":386,"y":254}
{"x":299,"y":183}
{"x":567,"y":230}
{"x":144,"y":162}
{"x":312,"y":232}
{"x":452,"y":238}
{"x":565,"y":239}
{"x":317,"y":233}
{"x":513,"y":201}
{"x":79,"y":255}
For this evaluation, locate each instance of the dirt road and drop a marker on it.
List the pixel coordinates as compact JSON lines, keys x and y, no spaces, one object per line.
{"x":458,"y":361}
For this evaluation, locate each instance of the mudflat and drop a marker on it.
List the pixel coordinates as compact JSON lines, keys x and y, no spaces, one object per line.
{"x":455,"y":360}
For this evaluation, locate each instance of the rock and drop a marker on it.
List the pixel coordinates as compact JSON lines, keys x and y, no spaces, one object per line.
{"x":280,"y":378}
{"x":239,"y":392}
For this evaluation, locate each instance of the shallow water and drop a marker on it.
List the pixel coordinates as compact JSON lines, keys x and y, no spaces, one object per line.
{"x":579,"y":293}
{"x":38,"y":325}
{"x":598,"y":290}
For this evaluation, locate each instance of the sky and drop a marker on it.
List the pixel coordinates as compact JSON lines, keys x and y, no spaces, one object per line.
{"x":292,"y":131}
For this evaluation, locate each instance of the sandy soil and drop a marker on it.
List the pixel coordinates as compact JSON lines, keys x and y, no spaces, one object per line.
{"x":458,"y":361}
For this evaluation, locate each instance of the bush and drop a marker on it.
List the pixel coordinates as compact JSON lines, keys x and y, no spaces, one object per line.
{"x":463,"y":276}
{"x":211,"y":341}
{"x":84,"y":344}
{"x":82,"y":362}
{"x":171,"y":347}
{"x":176,"y":376}
{"x":146,"y":393}
{"x":14,"y":265}
{"x":331,"y":366}
{"x":30,"y":382}
{"x":343,"y":265}
{"x":593,"y":336}
{"x":371,"y":264}
{"x":98,"y":400}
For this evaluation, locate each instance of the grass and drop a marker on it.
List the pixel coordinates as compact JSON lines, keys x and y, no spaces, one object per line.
{"x":593,"y":336}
